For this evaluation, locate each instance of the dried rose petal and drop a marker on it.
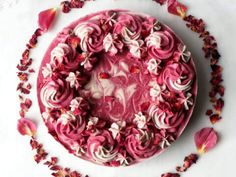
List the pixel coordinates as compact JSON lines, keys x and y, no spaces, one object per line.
{"x":104,"y":75}
{"x":134,"y":70}
{"x":170,"y":175}
{"x":176,"y":8}
{"x":45,"y":18}
{"x":26,"y":127}
{"x":205,"y":139}
{"x":215,"y":118}
{"x":161,"y":2}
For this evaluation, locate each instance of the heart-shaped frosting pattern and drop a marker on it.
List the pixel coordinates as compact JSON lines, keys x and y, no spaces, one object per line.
{"x":116,"y":87}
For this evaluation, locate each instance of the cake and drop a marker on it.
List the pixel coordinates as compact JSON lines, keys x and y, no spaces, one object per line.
{"x":116,"y":87}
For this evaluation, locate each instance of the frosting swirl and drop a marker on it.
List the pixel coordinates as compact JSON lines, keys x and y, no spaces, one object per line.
{"x":140,"y":144}
{"x":160,"y":44}
{"x":102,"y":147}
{"x":69,"y":127}
{"x":129,"y":26}
{"x":56,"y":93}
{"x":91,"y":36}
{"x":63,"y":57}
{"x":163,"y":116}
{"x":178,"y":77}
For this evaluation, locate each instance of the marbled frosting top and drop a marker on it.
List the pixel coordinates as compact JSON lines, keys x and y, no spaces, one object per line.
{"x":116,"y":87}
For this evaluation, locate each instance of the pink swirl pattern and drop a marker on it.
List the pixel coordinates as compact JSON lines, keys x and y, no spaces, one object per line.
{"x":129,"y":26}
{"x":101,"y":147}
{"x":164,"y":117}
{"x":91,"y":36}
{"x":69,"y":127}
{"x":178,"y":77}
{"x":140,"y":144}
{"x":56,"y":93}
{"x":160,"y":44}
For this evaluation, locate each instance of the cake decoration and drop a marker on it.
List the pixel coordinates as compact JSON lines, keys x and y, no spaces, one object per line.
{"x":24,"y":87}
{"x":116,"y":85}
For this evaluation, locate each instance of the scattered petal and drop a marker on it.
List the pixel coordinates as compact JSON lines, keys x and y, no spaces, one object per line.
{"x":215,"y":118}
{"x":176,"y":8}
{"x":205,"y":139}
{"x":170,"y":175}
{"x":188,"y":162}
{"x":26,"y":127}
{"x":45,"y":18}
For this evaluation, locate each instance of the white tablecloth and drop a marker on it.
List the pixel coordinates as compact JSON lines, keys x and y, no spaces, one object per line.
{"x":17,"y":24}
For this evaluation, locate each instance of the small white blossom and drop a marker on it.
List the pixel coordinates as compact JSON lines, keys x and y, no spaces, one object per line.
{"x":188,"y":101}
{"x":156,"y":92}
{"x":153,"y":66}
{"x":136,"y":48}
{"x":116,"y":127}
{"x":123,"y":160}
{"x":140,"y":120}
{"x":92,"y":121}
{"x":72,"y":79}
{"x":47,"y":71}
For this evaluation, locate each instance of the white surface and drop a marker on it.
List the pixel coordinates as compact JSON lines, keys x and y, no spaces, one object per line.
{"x":18,"y":23}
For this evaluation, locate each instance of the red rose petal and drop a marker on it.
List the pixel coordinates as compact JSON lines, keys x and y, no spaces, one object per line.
{"x":215,"y":118}
{"x":45,"y":18}
{"x":134,"y":70}
{"x":26,"y":127}
{"x":104,"y":75}
{"x":176,"y":8}
{"x":205,"y":139}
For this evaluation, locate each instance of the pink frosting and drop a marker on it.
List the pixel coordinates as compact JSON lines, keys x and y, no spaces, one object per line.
{"x":56,"y":93}
{"x":63,"y":57}
{"x":178,"y":77}
{"x":164,"y":117}
{"x":160,"y":44}
{"x":71,"y":128}
{"x":129,"y":26}
{"x":140,"y":144}
{"x":101,"y":147}
{"x":91,"y":36}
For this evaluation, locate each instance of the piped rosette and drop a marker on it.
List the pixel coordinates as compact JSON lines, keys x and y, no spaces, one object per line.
{"x":116,"y":87}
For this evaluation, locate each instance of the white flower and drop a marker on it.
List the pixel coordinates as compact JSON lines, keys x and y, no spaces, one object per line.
{"x":156,"y":92}
{"x":72,"y":79}
{"x":185,"y":54}
{"x":75,"y":103}
{"x":123,"y":160}
{"x":188,"y":101}
{"x":47,"y":71}
{"x":116,"y":127}
{"x":166,"y":141}
{"x":136,"y":48}
{"x":109,"y":45}
{"x":140,"y":120}
{"x":153,"y":66}
{"x":154,"y":39}
{"x":156,"y":27}
{"x":92,"y":121}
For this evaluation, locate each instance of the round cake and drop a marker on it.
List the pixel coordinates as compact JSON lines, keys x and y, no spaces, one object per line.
{"x":116,"y":87}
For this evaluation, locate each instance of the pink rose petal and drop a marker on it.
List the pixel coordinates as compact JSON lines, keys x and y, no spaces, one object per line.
{"x":176,"y":8}
{"x":205,"y":139}
{"x":45,"y":18}
{"x":26,"y":127}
